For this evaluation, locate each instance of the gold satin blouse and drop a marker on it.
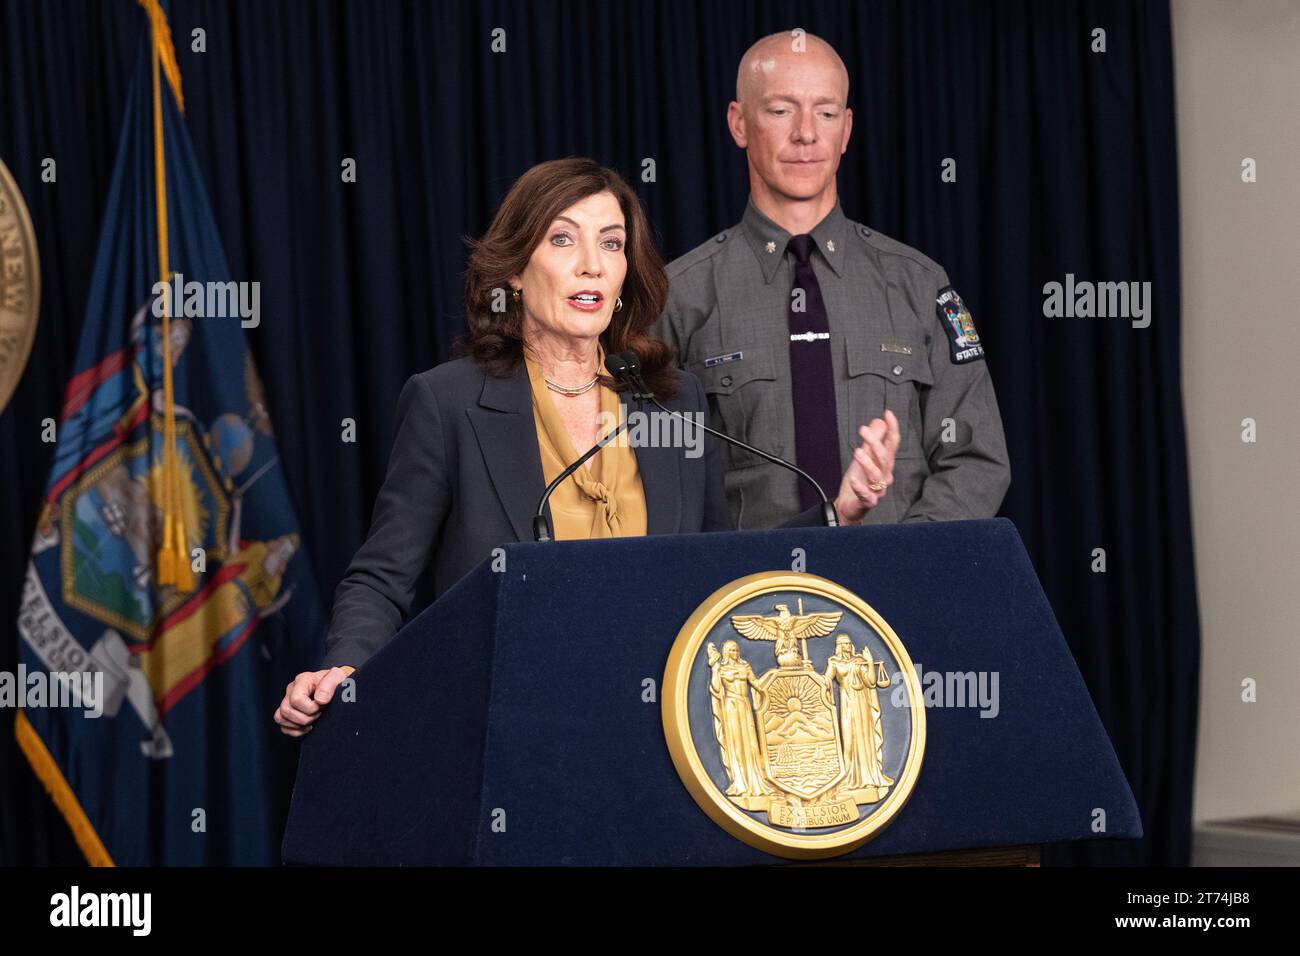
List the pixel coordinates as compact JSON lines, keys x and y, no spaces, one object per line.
{"x":602,"y":499}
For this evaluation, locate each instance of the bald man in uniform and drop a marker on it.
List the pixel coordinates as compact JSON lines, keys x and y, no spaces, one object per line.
{"x":803,"y":324}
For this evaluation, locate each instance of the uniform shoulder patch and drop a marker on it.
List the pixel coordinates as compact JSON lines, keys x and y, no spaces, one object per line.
{"x":963,"y":340}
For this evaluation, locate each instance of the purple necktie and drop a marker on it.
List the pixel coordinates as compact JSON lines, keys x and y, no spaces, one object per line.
{"x":812,"y":380}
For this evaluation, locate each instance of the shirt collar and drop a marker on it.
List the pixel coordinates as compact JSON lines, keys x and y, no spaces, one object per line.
{"x":769,"y":241}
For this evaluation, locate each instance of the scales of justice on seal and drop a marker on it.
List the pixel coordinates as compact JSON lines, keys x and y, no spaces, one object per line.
{"x":793,"y":714}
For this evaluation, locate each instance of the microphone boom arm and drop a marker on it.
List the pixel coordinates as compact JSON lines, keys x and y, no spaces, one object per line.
{"x":633,"y":374}
{"x":542,"y":530}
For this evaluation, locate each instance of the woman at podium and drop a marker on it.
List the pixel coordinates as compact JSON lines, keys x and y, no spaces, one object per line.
{"x":567,"y":273}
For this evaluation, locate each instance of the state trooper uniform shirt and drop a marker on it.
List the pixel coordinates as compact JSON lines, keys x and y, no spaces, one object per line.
{"x":901,"y":338}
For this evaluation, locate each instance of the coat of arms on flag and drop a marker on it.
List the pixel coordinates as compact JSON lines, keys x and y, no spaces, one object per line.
{"x":166,"y":562}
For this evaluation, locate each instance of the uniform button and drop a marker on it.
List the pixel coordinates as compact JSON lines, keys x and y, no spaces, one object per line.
{"x":726,"y":380}
{"x":866,"y":231}
{"x":898,"y":370}
{"x":721,"y":237}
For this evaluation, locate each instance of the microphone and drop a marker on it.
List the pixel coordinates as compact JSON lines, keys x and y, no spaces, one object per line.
{"x":616,"y":365}
{"x":627,"y":366}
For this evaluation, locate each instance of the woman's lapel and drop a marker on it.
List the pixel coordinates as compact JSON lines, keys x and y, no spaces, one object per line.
{"x":660,"y":470}
{"x":507,"y":437}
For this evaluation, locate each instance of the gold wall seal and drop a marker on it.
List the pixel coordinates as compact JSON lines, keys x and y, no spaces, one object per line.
{"x":20,"y":285}
{"x":793,"y":714}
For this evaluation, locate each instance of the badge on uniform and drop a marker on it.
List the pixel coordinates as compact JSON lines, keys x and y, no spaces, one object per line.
{"x":963,"y":340}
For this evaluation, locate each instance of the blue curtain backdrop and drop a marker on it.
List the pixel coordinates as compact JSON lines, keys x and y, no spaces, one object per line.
{"x":1066,"y":163}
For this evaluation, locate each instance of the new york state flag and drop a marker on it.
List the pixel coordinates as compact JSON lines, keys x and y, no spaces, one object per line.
{"x":166,"y":561}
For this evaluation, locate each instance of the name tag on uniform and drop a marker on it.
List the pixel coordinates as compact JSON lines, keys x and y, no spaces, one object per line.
{"x":891,"y":347}
{"x":723,"y":359}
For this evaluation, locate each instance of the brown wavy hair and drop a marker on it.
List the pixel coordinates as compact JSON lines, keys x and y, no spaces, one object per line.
{"x":541,"y":194}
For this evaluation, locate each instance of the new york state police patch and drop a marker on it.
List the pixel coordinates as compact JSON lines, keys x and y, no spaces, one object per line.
{"x":955,"y":318}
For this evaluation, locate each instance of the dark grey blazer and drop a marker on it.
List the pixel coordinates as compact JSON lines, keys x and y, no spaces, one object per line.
{"x":464,"y":477}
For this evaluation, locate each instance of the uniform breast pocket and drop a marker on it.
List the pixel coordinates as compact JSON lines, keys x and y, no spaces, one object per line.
{"x":894,"y":379}
{"x":743,"y":400}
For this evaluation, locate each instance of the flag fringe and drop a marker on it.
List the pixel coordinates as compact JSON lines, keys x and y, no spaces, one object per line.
{"x":56,"y":785}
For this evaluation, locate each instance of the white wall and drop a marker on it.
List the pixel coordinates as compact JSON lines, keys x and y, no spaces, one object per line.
{"x":1237,"y":69}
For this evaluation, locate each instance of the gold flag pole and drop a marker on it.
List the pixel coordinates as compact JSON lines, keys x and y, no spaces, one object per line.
{"x":173,"y":555}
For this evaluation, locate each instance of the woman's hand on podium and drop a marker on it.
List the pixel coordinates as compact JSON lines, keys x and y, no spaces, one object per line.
{"x":306,"y":697}
{"x":871,"y":471}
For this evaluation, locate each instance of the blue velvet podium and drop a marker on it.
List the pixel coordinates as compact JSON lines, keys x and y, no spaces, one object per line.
{"x":519,"y":697}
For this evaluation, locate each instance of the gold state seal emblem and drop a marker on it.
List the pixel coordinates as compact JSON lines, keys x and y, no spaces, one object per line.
{"x":20,"y":285}
{"x":813,"y":756}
